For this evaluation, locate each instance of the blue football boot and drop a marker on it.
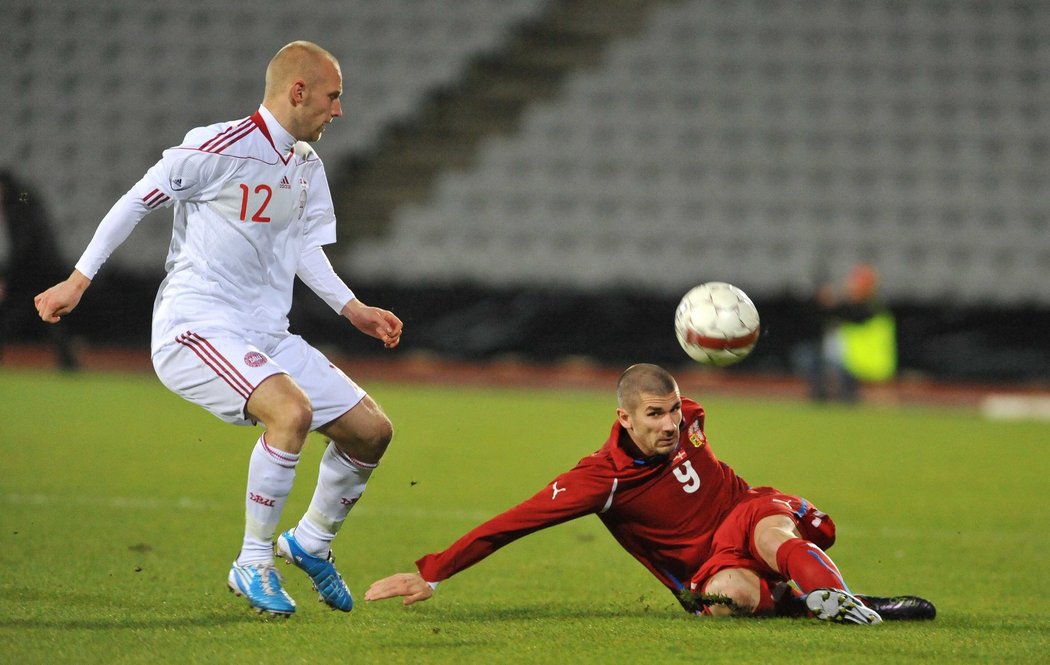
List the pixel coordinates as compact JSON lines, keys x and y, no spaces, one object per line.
{"x":328,"y":583}
{"x":260,"y":583}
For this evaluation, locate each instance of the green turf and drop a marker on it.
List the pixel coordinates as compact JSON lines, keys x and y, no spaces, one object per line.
{"x":121,"y":509}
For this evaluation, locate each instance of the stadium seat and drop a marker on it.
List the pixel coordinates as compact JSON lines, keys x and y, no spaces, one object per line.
{"x":764,"y":137}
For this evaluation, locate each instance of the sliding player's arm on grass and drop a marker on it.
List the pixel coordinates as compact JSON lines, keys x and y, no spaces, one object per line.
{"x":573,"y":494}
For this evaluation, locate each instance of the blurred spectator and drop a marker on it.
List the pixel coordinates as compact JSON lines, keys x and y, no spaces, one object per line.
{"x":858,"y":344}
{"x":29,"y":263}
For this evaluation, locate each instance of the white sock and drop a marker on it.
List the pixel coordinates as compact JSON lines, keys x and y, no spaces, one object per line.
{"x":271,"y":473}
{"x":340,"y":483}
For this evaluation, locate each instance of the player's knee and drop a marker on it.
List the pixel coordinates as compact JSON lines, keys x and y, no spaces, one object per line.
{"x":385,"y":434}
{"x":281,"y":405}
{"x":740,"y":595}
{"x":367,"y":440}
{"x":295,"y":418}
{"x":380,"y":437}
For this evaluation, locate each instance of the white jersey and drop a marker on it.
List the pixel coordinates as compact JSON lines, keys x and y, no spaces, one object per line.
{"x":249,"y":201}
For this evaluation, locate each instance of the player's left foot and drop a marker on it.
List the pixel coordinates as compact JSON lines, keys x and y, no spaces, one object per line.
{"x":900,"y":608}
{"x":840,"y":606}
{"x":328,"y":583}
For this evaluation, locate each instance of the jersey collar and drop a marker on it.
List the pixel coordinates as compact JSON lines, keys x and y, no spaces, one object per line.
{"x":281,"y":140}
{"x":625,"y":460}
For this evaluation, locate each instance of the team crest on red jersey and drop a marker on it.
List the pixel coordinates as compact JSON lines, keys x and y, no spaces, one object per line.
{"x":696,"y":435}
{"x":254,"y":359}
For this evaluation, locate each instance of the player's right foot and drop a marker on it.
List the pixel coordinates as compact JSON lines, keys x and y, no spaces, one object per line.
{"x":840,"y":606}
{"x":260,"y":583}
{"x":328,"y":583}
{"x":900,"y":608}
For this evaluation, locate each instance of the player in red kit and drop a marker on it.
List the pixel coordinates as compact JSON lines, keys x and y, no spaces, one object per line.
{"x":721,"y":546}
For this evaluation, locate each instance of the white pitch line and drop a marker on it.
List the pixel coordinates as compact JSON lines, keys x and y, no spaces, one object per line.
{"x":1016,"y":407}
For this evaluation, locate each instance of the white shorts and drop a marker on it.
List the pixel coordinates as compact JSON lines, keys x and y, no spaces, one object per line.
{"x":219,"y":370}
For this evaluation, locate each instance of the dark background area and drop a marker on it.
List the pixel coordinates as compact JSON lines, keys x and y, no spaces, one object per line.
{"x":465,"y":322}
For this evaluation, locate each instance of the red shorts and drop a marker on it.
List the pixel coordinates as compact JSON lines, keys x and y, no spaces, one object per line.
{"x":733,"y":543}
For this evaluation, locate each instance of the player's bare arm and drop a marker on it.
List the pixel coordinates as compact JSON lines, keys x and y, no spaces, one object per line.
{"x":373,"y":321}
{"x":411,"y":586}
{"x":62,"y":298}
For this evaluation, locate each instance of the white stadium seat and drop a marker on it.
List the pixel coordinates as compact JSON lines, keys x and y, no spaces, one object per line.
{"x":755,"y":141}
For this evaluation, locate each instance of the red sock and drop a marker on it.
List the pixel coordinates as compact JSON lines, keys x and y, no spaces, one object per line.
{"x":806,"y":564}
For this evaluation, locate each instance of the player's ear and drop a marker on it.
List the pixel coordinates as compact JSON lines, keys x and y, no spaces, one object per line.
{"x":298,"y":92}
{"x":624,"y":418}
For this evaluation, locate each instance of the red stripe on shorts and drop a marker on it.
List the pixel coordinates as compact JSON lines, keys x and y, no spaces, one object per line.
{"x":217,"y":362}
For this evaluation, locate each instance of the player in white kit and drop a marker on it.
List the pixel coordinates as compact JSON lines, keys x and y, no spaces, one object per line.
{"x":253,"y":211}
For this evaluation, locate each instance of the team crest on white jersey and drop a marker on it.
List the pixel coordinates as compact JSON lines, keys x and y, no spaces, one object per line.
{"x":696,"y":435}
{"x":303,"y":187}
{"x":254,"y":359}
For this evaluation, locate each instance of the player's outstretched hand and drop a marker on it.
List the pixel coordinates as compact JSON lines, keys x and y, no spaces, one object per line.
{"x":61,"y":298}
{"x":379,"y":323}
{"x":411,"y":586}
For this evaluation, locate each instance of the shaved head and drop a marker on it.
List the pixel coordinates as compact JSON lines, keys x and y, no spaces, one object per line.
{"x":298,"y":60}
{"x":303,"y":89}
{"x":640,"y":379}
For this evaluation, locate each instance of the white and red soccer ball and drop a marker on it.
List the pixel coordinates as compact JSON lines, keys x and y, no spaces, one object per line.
{"x":716,"y":324}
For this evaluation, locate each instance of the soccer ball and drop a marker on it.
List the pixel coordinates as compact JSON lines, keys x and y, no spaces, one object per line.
{"x":716,"y":323}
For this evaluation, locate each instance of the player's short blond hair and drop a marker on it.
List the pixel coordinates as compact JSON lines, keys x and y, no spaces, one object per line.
{"x":294,"y":60}
{"x":643,"y":378}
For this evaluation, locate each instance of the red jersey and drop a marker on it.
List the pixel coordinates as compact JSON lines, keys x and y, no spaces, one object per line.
{"x":663,"y":510}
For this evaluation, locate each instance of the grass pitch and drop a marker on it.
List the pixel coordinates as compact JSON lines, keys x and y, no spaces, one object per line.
{"x":121,"y":508}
